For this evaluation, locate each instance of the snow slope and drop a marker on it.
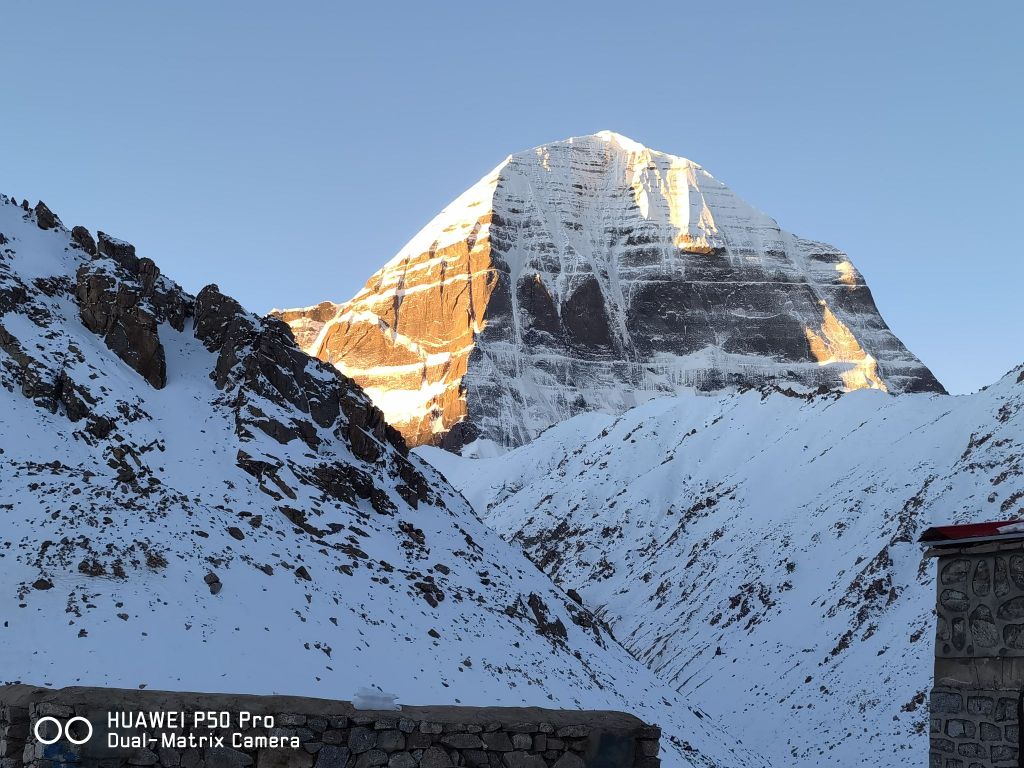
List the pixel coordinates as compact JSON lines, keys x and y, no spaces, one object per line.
{"x":189,"y":502}
{"x":757,"y":551}
{"x":592,"y":274}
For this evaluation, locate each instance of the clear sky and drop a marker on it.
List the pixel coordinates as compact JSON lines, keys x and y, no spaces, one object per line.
{"x":285,"y":150}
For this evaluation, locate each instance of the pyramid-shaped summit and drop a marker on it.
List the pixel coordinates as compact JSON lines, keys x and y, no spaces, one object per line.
{"x":592,"y":274}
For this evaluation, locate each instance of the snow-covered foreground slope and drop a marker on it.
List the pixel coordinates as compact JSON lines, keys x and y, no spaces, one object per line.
{"x":758,"y":551}
{"x":189,"y":502}
{"x":592,"y":274}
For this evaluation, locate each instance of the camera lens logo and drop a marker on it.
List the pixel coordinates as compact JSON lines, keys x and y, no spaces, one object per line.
{"x":62,"y":730}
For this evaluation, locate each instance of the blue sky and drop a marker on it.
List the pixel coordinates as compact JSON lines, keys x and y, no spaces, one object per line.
{"x":286,"y":150}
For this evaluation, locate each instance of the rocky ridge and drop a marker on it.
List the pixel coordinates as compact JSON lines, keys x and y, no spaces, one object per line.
{"x":190,"y":502}
{"x":590,"y":275}
{"x":758,"y":551}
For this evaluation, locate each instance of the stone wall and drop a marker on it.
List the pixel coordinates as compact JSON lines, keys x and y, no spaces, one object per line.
{"x":973,"y":728}
{"x":309,"y":733}
{"x":980,"y":605}
{"x":979,"y":657}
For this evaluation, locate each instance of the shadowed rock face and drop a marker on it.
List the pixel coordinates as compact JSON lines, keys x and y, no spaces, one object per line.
{"x":592,"y":274}
{"x":269,"y":385}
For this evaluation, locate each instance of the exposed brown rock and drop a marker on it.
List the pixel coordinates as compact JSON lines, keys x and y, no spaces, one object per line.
{"x":83,"y":238}
{"x":45,"y":218}
{"x":112,"y":310}
{"x":121,"y":252}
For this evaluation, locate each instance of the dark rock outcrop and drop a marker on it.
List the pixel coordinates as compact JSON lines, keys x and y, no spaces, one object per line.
{"x":259,"y":359}
{"x":113,"y":310}
{"x":45,"y":218}
{"x":84,"y":240}
{"x":118,"y":250}
{"x":269,"y":385}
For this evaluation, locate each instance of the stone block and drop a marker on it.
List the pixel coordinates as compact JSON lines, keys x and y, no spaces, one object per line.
{"x":333,"y":736}
{"x":498,"y":741}
{"x":371,"y":758}
{"x":954,"y":600}
{"x":50,"y":709}
{"x":392,"y":740}
{"x":11,"y":748}
{"x":990,"y":732}
{"x":568,"y":760}
{"x":1006,"y":709}
{"x":435,"y":757}
{"x":971,"y":749}
{"x":361,"y":739}
{"x":522,"y":741}
{"x":1004,"y":754}
{"x":145,"y":757}
{"x":284,"y":758}
{"x":303,"y":734}
{"x":463,"y":741}
{"x":959,"y":729}
{"x":418,"y":740}
{"x":402,"y":760}
{"x":574,"y":731}
{"x":946,"y":703}
{"x":15,"y":730}
{"x":981,"y":705}
{"x":333,"y":756}
{"x":522,"y":759}
{"x":225,"y":757}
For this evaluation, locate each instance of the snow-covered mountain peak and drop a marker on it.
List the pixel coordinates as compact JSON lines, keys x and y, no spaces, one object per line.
{"x":591,"y":274}
{"x":623,"y":141}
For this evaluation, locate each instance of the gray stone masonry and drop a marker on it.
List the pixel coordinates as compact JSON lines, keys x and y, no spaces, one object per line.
{"x":327,"y":734}
{"x":979,"y":656}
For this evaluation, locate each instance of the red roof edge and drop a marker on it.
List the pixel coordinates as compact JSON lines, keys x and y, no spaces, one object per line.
{"x":941,"y":533}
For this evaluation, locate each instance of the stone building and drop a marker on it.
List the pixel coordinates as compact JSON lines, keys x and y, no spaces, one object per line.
{"x":976,"y":696}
